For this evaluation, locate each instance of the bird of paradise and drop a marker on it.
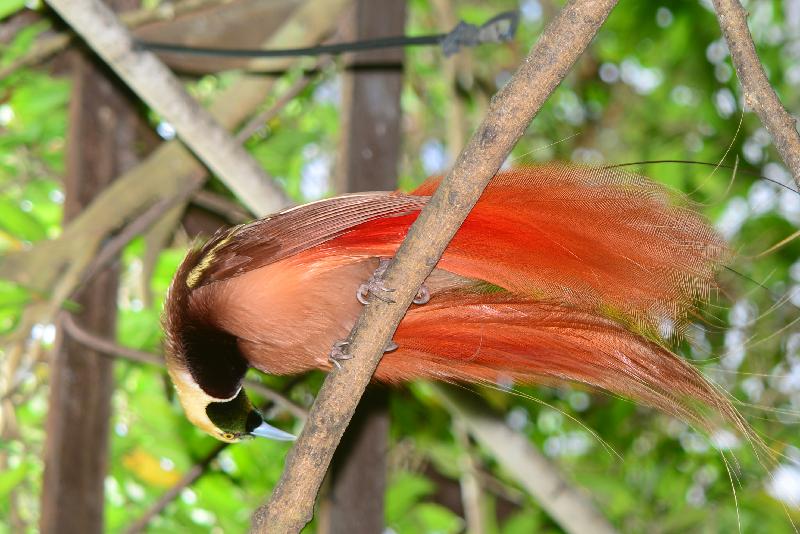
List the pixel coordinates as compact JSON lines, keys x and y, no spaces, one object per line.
{"x":559,"y":274}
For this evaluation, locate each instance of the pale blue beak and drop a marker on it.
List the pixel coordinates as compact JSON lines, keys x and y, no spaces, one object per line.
{"x":265,"y":430}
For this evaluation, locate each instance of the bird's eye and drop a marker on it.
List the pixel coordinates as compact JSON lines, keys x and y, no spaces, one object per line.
{"x":228,"y":435}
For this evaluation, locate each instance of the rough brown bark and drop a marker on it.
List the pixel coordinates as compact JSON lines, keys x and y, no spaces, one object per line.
{"x":758,"y":93}
{"x":510,"y":112}
{"x":103,"y":125}
{"x":368,"y":160}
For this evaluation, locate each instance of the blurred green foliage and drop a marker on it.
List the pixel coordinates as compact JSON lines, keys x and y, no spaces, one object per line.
{"x":657,"y":84}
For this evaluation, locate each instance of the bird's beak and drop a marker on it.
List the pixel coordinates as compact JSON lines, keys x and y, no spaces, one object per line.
{"x":265,"y":430}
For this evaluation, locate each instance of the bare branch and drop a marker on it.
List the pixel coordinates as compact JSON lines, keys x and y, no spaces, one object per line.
{"x":222,"y":206}
{"x":511,"y":110}
{"x":114,"y":246}
{"x":106,"y":346}
{"x":143,"y":72}
{"x":567,"y":505}
{"x":258,"y":121}
{"x":758,"y":93}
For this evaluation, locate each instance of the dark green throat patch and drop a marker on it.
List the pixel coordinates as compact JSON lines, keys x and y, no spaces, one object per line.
{"x":235,"y":416}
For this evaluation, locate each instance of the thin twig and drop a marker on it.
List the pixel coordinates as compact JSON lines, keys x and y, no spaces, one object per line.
{"x":114,"y":246}
{"x":105,"y":346}
{"x":109,"y":348}
{"x":221,"y":205}
{"x":224,"y":206}
{"x":254,"y":124}
{"x":758,"y":93}
{"x":568,"y":506}
{"x":292,"y":504}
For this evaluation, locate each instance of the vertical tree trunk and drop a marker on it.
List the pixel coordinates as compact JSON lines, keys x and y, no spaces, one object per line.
{"x":368,"y":161}
{"x":370,"y":146}
{"x":358,"y":471}
{"x":100,"y":146}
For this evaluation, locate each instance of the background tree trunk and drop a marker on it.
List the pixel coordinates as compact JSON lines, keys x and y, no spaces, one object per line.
{"x":370,"y":145}
{"x":102,"y":135}
{"x":368,"y":161}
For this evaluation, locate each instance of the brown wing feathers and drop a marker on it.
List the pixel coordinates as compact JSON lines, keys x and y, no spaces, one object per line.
{"x":265,"y":241}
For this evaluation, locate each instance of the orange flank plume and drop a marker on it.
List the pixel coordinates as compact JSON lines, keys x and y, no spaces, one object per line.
{"x":594,"y":238}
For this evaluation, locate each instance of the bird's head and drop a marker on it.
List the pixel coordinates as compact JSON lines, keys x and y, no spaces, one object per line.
{"x":232,"y":419}
{"x":205,"y":362}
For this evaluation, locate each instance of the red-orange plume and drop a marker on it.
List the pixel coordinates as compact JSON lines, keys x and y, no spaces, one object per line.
{"x":581,"y":272}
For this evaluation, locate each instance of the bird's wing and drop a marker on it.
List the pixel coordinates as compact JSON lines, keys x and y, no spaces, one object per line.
{"x":247,"y":247}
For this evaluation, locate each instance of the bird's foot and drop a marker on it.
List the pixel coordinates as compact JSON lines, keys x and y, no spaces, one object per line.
{"x":338,"y":354}
{"x":377,"y":287}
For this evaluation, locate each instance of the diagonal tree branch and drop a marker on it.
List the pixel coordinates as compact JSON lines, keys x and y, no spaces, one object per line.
{"x":143,"y":72}
{"x":471,"y":490}
{"x":758,"y":93}
{"x":511,"y":110}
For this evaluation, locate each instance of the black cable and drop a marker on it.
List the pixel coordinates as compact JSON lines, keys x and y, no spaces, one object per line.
{"x":498,"y":29}
{"x":330,"y":49}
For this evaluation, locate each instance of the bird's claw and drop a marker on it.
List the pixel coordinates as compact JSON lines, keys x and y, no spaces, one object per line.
{"x":338,"y":354}
{"x":422,"y":296}
{"x":377,"y":286}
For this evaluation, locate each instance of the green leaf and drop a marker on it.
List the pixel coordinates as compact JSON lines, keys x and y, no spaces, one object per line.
{"x":405,"y":490}
{"x":436,"y":518}
{"x":523,"y":523}
{"x":12,"y":295}
{"x":11,"y":478}
{"x":9,"y":7}
{"x":19,"y":223}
